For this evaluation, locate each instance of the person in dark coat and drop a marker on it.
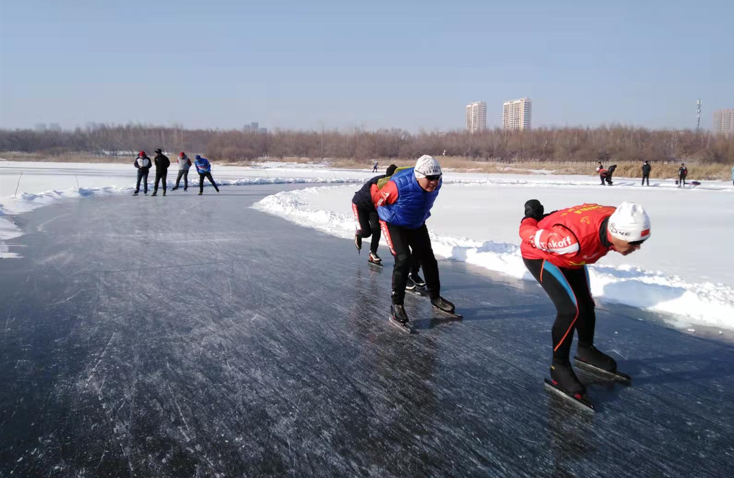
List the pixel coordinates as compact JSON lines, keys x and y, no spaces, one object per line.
{"x":365,"y":214}
{"x":606,"y":174}
{"x":142,"y":164}
{"x":161,"y":170}
{"x":682,"y":173}
{"x":600,"y":169}
{"x":646,"y":173}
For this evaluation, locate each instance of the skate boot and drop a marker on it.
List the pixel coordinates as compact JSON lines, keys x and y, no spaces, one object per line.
{"x":155,"y":193}
{"x":358,"y":240}
{"x":200,"y":193}
{"x":594,"y":357}
{"x":398,"y":314}
{"x":564,"y":377}
{"x":173,"y":189}
{"x":164,"y":192}
{"x":443,"y":305}
{"x":374,"y":258}
{"x":399,"y":318}
{"x":135,"y":193}
{"x":416,"y":279}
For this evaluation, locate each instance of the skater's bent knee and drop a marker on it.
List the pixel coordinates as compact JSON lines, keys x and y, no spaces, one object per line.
{"x":402,"y":259}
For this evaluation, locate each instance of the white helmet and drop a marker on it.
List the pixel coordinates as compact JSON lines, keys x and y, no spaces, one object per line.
{"x":426,"y":166}
{"x":629,"y":223}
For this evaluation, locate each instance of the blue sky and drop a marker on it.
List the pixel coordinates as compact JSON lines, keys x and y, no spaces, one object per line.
{"x":340,"y":64}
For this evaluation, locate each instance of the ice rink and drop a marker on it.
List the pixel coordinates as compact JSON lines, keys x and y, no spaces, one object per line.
{"x":197,"y":336}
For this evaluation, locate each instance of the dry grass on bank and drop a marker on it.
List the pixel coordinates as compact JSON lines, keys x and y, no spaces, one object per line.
{"x":66,"y":158}
{"x":632,"y":169}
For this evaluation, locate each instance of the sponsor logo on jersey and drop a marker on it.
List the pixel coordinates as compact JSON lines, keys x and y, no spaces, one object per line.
{"x":565,"y":242}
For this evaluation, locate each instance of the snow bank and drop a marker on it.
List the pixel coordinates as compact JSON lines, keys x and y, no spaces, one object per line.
{"x":701,"y":303}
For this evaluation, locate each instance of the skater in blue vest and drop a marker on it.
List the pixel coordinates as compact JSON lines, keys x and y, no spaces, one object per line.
{"x":403,"y":205}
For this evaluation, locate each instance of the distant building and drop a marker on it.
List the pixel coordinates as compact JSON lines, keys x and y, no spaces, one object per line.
{"x":263,"y":130}
{"x":254,"y":126}
{"x":724,"y":122}
{"x":40,"y":127}
{"x":516,"y":114}
{"x":476,"y":116}
{"x":54,"y":127}
{"x":246,"y":127}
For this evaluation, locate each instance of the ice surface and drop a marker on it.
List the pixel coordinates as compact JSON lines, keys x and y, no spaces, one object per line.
{"x":157,"y":337}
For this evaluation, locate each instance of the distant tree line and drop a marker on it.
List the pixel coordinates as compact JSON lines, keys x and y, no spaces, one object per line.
{"x":543,"y":144}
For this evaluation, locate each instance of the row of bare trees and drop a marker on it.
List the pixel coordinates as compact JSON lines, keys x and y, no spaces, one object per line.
{"x":544,"y":144}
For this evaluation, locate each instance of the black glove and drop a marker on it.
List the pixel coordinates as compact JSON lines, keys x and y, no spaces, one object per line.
{"x":534,"y":209}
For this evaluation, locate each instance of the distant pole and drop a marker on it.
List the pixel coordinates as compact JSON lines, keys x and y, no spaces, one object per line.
{"x":77,"y":182}
{"x":16,"y":187}
{"x":698,"y":114}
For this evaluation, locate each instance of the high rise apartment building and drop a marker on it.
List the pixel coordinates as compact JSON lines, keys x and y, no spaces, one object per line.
{"x":516,"y":114}
{"x":724,"y":122}
{"x":476,"y":116}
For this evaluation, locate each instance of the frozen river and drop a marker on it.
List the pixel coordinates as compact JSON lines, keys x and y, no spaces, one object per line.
{"x":195,"y":336}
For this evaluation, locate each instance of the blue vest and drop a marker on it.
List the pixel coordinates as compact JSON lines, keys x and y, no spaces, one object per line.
{"x":414,"y":204}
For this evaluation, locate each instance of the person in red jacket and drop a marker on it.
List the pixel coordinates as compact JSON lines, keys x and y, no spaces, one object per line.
{"x":556,"y":248}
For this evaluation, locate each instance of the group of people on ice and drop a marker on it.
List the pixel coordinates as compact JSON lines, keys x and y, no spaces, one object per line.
{"x":556,"y":248}
{"x":143,"y":164}
{"x":605,"y":174}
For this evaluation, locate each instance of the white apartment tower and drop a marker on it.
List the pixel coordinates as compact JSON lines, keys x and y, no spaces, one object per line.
{"x":476,"y":116}
{"x":516,"y":114}
{"x":724,"y":122}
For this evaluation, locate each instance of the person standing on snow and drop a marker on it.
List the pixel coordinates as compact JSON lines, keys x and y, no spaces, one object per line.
{"x":404,"y":204}
{"x":184,"y":163}
{"x":374,"y":167}
{"x":365,"y":214}
{"x":600,"y":170}
{"x":556,"y":248}
{"x":204,"y":168}
{"x":646,"y":173}
{"x":142,"y":164}
{"x":682,"y":173}
{"x":161,"y":170}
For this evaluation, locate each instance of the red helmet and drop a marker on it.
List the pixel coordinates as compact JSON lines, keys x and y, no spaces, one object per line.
{"x":182,"y":154}
{"x":142,"y":153}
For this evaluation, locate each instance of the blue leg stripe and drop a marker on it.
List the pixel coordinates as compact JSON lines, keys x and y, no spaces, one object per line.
{"x":556,"y":272}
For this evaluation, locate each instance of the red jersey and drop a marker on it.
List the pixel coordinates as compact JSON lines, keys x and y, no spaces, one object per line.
{"x":567,"y":238}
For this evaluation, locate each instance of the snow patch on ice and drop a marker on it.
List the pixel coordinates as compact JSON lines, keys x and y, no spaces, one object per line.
{"x":688,"y":303}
